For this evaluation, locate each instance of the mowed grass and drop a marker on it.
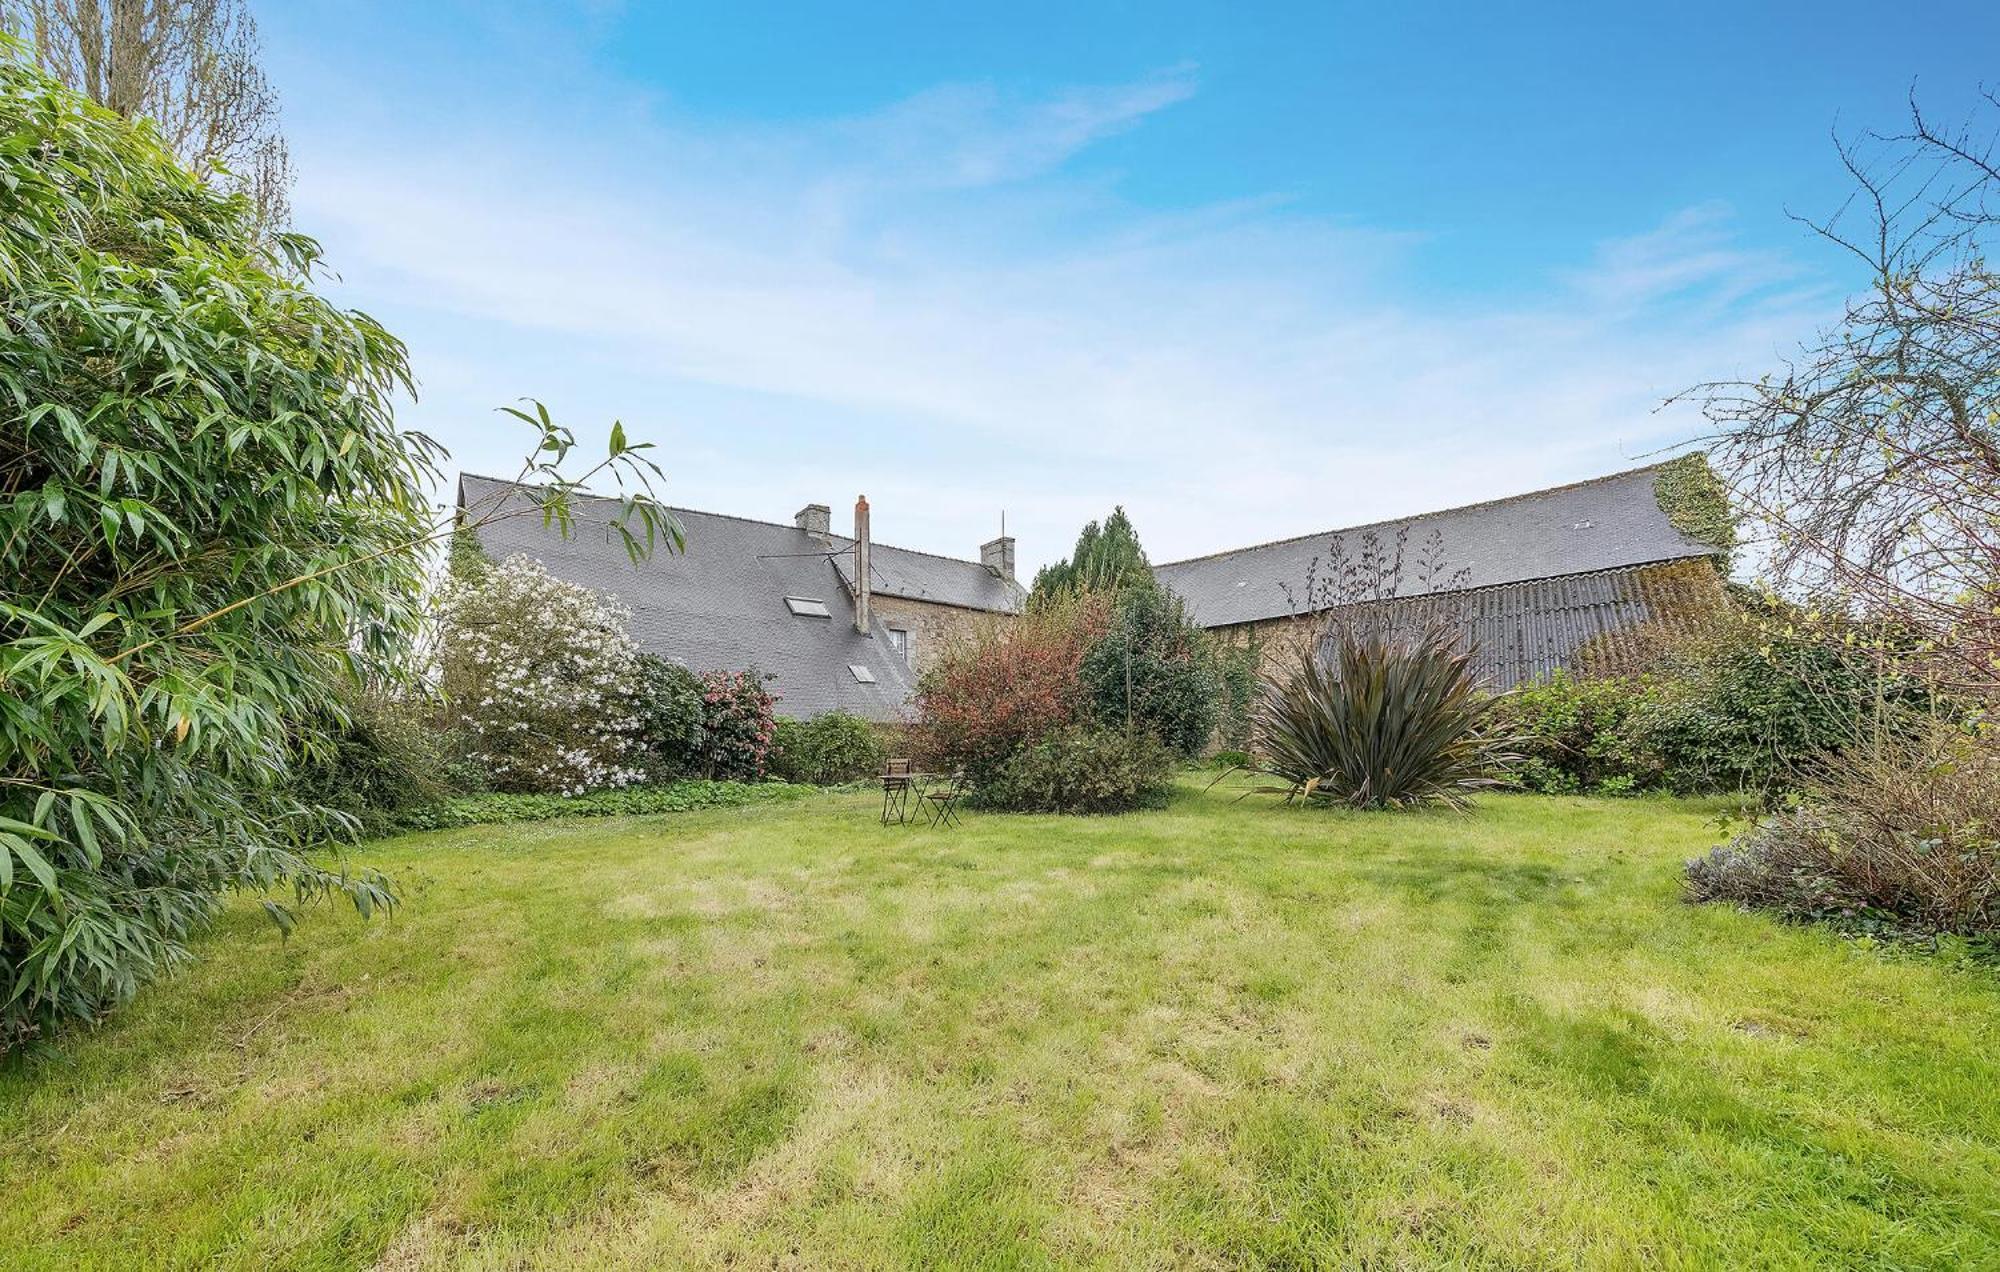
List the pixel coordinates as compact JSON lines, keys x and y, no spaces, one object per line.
{"x":1217,"y":1035}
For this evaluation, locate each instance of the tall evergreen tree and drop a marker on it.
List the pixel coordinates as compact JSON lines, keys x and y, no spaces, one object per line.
{"x":1107,"y":558}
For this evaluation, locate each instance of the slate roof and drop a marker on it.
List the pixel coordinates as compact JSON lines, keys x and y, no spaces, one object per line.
{"x":1607,"y":523}
{"x":920,"y":576}
{"x":721,"y":604}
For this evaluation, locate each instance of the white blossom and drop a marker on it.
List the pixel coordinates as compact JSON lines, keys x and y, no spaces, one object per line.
{"x":540,"y":674}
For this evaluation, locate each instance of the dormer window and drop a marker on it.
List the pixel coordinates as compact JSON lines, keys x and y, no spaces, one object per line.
{"x":808,"y":607}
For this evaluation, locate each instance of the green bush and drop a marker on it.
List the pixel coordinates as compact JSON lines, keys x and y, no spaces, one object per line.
{"x":630,"y":801}
{"x":386,"y":756}
{"x":1236,"y":712}
{"x":539,"y":673}
{"x":1009,"y":688}
{"x":667,"y":700}
{"x":1720,"y":713}
{"x":1082,"y":769}
{"x":1575,"y":735}
{"x":1154,"y":671}
{"x":1389,"y":721}
{"x":204,"y":500}
{"x":827,"y":749}
{"x":1732,"y":716}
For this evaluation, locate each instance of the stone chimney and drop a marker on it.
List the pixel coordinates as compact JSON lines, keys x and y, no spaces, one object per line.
{"x":862,"y":582}
{"x":998,"y":556}
{"x":816,"y":520}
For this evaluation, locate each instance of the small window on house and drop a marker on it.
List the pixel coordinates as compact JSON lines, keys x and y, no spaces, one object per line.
{"x":861,"y":673}
{"x":808,"y":607}
{"x":899,"y":643}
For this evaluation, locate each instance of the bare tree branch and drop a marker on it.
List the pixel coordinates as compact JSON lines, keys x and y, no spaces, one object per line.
{"x":191,"y":66}
{"x":1870,"y":462}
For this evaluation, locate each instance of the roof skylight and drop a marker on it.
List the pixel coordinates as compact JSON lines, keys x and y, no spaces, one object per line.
{"x":808,"y":607}
{"x":861,"y":673}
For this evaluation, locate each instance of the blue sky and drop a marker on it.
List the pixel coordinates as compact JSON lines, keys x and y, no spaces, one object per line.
{"x":1251,"y":271}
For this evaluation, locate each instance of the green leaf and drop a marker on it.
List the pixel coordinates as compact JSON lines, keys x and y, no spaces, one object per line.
{"x":37,"y":864}
{"x":86,"y":834}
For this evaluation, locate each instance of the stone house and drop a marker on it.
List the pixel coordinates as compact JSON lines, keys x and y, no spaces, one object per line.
{"x":837,"y":622}
{"x":1585,"y":576}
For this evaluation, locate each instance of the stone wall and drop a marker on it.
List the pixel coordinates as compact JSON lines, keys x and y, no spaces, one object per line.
{"x":932,"y":627}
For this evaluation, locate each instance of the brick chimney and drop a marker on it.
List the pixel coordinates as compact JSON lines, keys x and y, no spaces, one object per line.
{"x":815,"y":519}
{"x":998,"y":556}
{"x":862,"y":584}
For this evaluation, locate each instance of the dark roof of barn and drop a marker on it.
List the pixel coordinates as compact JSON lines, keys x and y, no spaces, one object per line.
{"x":721,"y":603}
{"x":1607,"y":523}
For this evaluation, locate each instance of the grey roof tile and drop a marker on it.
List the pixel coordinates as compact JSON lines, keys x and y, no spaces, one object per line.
{"x":1607,"y":523}
{"x":721,"y":604}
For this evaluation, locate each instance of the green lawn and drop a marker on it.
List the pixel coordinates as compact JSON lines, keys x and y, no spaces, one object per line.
{"x":1219,"y":1035}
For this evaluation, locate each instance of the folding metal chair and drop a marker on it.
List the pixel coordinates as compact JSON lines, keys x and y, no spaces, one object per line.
{"x":896,"y":792}
{"x":944,"y":803}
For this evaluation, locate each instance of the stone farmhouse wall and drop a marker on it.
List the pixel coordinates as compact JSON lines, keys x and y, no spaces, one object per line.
{"x":932,"y":627}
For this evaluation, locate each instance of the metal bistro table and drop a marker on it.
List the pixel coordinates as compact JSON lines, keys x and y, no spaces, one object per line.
{"x":901,"y":782}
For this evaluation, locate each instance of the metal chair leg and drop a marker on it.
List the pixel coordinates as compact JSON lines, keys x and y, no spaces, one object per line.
{"x":895,"y":800}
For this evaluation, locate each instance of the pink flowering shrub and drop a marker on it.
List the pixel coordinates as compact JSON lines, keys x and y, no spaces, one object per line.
{"x":738,"y":719}
{"x":541,"y":676}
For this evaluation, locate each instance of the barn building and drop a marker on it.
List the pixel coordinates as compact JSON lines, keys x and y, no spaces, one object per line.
{"x":1581,"y":576}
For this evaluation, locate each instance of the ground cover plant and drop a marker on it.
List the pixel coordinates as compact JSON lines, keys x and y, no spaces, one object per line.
{"x":496,"y":807}
{"x":1219,"y":1034}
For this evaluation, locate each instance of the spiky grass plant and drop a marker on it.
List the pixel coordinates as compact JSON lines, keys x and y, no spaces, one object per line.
{"x":1380,"y":719}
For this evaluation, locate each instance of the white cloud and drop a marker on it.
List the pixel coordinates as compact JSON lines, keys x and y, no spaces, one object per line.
{"x":920,"y":304}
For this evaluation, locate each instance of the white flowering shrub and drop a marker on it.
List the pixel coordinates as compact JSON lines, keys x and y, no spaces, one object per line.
{"x":541,"y":676}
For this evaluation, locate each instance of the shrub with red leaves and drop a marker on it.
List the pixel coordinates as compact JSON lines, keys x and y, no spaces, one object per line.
{"x":1011,"y":687}
{"x":738,"y":718}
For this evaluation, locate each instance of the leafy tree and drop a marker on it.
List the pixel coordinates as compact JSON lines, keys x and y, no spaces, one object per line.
{"x":1154,"y":671}
{"x":1107,"y":558}
{"x":209,"y":522}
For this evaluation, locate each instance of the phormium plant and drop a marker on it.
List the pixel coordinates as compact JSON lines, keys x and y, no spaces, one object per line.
{"x":1381,"y":719}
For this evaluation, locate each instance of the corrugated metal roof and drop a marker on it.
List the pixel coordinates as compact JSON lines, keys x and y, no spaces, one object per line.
{"x":1607,"y":523}
{"x":1522,"y":632}
{"x":721,"y":605}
